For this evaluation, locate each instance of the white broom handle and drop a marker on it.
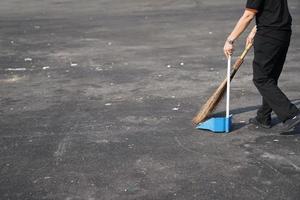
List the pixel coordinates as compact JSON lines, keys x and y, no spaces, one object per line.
{"x":228,"y":86}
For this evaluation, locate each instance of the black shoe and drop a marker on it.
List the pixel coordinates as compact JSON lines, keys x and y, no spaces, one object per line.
{"x":290,"y":124}
{"x":259,"y":124}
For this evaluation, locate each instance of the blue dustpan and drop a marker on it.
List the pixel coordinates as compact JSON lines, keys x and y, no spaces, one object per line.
{"x":220,"y":124}
{"x":217,"y":124}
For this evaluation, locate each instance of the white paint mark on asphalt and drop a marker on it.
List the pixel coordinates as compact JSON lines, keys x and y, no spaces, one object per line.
{"x":185,"y":148}
{"x":280,"y":159}
{"x":62,"y":148}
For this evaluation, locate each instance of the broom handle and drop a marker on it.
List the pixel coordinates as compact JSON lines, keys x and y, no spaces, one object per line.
{"x":240,"y":60}
{"x":228,"y":86}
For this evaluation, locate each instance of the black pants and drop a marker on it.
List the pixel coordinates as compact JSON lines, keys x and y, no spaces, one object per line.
{"x":269,"y":58}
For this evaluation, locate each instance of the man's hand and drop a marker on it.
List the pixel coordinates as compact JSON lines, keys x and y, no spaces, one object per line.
{"x":228,"y":48}
{"x":250,"y":38}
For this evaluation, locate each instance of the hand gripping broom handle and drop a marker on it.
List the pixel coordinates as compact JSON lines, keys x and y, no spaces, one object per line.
{"x":216,"y":97}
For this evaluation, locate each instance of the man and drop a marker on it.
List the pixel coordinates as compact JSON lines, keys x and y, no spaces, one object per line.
{"x":271,"y":39}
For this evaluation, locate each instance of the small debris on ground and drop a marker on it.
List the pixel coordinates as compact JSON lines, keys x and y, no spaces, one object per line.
{"x":73,"y":64}
{"x":28,"y":59}
{"x":46,"y":67}
{"x":16,"y":69}
{"x":108,"y":104}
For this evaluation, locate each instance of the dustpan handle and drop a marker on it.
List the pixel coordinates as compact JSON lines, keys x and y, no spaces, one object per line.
{"x":228,"y":87}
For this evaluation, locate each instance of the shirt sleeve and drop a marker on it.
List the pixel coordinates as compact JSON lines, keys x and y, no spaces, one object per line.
{"x":254,"y":4}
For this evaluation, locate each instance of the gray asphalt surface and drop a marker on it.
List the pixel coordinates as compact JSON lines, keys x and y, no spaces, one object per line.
{"x":97,"y":97}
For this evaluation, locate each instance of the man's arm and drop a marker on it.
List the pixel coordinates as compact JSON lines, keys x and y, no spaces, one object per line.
{"x":239,"y":28}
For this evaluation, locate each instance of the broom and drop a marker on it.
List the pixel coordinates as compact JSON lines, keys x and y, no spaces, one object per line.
{"x":216,"y":97}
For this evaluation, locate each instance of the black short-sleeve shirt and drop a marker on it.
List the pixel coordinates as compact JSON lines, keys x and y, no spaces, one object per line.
{"x":271,"y":14}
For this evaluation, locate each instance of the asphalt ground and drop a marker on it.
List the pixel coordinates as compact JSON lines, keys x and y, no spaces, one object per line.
{"x":97,"y":97}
